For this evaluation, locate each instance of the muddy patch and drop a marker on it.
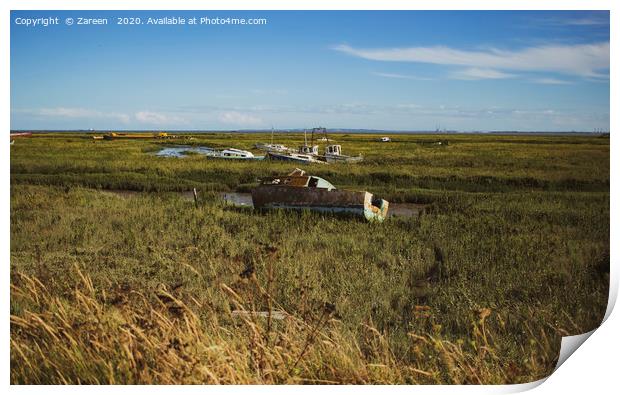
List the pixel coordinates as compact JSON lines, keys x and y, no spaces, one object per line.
{"x":237,"y":198}
{"x":183,"y":151}
{"x":406,"y":209}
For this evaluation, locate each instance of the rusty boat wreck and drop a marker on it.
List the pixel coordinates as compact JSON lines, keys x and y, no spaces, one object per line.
{"x":299,"y":191}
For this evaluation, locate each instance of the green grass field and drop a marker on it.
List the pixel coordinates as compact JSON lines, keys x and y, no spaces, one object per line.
{"x":512,"y":254}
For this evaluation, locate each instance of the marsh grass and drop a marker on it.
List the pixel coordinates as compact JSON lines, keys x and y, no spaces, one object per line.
{"x":469,"y":163}
{"x":141,"y":287}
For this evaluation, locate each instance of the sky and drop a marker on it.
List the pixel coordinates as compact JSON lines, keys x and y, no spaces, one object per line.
{"x":389,"y":70}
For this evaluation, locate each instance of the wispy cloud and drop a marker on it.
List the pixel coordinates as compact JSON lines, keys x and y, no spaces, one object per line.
{"x":75,"y":113}
{"x":402,"y":76}
{"x":475,"y":73}
{"x":586,"y":60}
{"x":551,"y":81}
{"x":156,"y":118}
{"x":143,"y":117}
{"x":599,"y":19}
{"x":240,"y":119}
{"x":587,"y":21}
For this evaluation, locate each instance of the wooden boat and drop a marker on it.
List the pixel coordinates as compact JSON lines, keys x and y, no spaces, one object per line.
{"x":299,"y":191}
{"x":19,"y":134}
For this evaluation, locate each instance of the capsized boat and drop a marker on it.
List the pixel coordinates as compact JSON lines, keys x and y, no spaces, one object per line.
{"x":299,"y":191}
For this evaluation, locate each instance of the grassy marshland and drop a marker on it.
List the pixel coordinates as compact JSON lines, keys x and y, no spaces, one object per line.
{"x":141,"y":288}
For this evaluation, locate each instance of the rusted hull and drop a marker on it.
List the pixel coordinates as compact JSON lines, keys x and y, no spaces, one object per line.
{"x":21,"y":134}
{"x":355,"y":203}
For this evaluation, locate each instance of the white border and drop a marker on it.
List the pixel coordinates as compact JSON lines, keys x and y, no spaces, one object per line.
{"x":593,"y":368}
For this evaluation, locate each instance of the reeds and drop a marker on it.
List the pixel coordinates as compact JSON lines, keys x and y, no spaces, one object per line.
{"x":149,"y":288}
{"x":83,"y":338}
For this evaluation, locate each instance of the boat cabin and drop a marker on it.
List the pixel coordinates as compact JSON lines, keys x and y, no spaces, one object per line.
{"x":334,"y":149}
{"x":277,"y":147}
{"x":309,"y":149}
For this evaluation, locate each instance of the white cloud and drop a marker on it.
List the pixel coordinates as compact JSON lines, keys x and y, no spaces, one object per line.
{"x":241,"y":119}
{"x":156,"y":118}
{"x":68,"y":112}
{"x":587,"y":60}
{"x":75,"y":112}
{"x":551,"y":81}
{"x":588,"y":20}
{"x":475,"y":73}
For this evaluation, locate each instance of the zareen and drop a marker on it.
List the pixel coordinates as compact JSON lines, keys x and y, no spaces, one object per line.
{"x":91,"y":21}
{"x":298,"y":191}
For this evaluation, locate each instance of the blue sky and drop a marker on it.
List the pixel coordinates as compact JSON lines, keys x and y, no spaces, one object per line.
{"x":404,"y":70}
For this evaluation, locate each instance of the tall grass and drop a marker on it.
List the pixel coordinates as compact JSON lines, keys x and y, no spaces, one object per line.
{"x":470,"y":163}
{"x":148,"y":288}
{"x":98,"y":338}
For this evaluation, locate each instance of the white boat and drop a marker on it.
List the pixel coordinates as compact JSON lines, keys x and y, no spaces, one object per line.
{"x":305,"y":154}
{"x":308,"y":149}
{"x":333,"y":154}
{"x":229,"y":153}
{"x":233,"y":153}
{"x":294,"y":157}
{"x":271,"y":147}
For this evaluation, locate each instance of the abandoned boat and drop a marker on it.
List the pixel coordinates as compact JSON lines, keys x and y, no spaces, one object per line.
{"x":293,"y":157}
{"x":228,"y":153}
{"x":333,"y":154}
{"x":234,"y":153}
{"x":305,"y":154}
{"x":299,"y":191}
{"x":269,"y":147}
